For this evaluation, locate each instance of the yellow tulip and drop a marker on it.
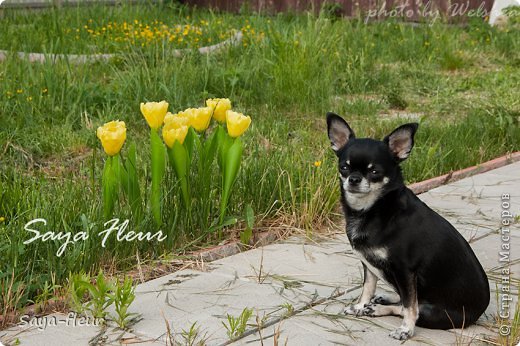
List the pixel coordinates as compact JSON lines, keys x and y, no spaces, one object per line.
{"x":219,"y":108}
{"x":177,"y":120}
{"x":172,"y":133}
{"x":112,"y":136}
{"x":187,"y":114}
{"x":154,"y":113}
{"x":237,"y":123}
{"x":199,"y":118}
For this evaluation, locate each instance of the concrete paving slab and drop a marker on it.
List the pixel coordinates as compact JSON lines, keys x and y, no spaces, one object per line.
{"x":470,"y":227}
{"x":481,"y":192}
{"x":488,"y":250}
{"x":503,"y":178}
{"x":474,"y":205}
{"x":322,"y":268}
{"x":512,"y":170}
{"x":458,"y":205}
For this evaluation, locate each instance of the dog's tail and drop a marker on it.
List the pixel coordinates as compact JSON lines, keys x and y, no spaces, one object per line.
{"x":434,"y":317}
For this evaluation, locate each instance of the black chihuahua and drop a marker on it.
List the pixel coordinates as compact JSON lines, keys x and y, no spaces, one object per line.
{"x":400,"y":240}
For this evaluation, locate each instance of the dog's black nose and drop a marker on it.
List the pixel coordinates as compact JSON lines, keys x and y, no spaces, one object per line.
{"x":354,"y":180}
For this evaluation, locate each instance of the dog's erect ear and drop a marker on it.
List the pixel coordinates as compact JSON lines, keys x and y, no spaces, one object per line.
{"x":400,"y":141}
{"x":339,"y":131}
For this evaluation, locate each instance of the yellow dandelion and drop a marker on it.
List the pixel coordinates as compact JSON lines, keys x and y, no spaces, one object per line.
{"x":317,"y":163}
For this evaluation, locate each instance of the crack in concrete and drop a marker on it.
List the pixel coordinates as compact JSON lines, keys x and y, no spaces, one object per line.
{"x":337,"y":293}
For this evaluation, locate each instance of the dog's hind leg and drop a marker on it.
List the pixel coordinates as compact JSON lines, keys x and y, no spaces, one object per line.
{"x":376,"y":310}
{"x":386,"y":299}
{"x":431,"y":316}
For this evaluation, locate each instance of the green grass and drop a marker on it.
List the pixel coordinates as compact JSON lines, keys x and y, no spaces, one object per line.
{"x":291,"y":70}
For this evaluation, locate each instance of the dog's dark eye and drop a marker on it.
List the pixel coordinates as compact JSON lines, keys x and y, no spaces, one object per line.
{"x":374,"y":172}
{"x":344,"y":167}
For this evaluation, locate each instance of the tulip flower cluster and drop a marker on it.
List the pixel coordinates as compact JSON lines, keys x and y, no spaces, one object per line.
{"x":185,"y":134}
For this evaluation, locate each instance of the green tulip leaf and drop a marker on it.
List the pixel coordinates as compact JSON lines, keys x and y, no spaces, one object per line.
{"x":179,"y":160}
{"x":250,"y":217}
{"x":158,"y":169}
{"x":189,"y":142}
{"x":245,"y":235}
{"x":231,"y":166}
{"x":132,"y":183}
{"x":210,"y":148}
{"x":225,"y":141}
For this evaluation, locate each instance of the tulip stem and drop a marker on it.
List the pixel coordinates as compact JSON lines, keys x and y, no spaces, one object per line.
{"x":108,"y":181}
{"x":158,"y":169}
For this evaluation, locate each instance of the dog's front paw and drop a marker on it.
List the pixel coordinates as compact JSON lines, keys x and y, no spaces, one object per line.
{"x":402,"y":333}
{"x":354,"y":309}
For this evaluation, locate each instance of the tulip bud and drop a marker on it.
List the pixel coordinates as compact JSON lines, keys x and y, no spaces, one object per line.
{"x":154,"y":113}
{"x":237,"y":123}
{"x":172,"y":133}
{"x":219,"y":108}
{"x":177,"y":120}
{"x":200,"y":118}
{"x":112,"y":136}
